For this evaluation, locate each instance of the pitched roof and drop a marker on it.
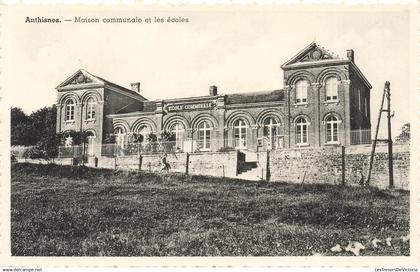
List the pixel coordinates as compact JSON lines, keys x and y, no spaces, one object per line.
{"x":255,"y":97}
{"x":312,"y":53}
{"x":90,"y":78}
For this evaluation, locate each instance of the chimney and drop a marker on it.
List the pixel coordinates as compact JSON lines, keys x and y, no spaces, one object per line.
{"x":135,"y":87}
{"x":350,"y":55}
{"x":213,"y":90}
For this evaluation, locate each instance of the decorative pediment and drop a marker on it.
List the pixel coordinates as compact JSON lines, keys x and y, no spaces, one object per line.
{"x":80,"y":79}
{"x":312,"y":53}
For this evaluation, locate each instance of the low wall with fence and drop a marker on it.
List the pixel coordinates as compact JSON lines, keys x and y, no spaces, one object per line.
{"x":301,"y":165}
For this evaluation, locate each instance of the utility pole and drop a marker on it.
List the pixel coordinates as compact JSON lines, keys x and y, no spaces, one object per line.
{"x":390,"y":162}
{"x":387,"y":94}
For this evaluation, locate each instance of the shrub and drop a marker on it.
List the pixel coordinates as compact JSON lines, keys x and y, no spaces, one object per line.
{"x":35,"y":153}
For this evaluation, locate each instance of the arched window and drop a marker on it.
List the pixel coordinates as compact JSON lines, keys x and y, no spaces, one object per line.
{"x":331,"y":125}
{"x":68,"y":141}
{"x":90,"y":148}
{"x":240,"y":129}
{"x":270,"y":131}
{"x":144,"y":132}
{"x":204,"y":130}
{"x":178,"y":130}
{"x":331,"y":89}
{"x":69,"y":110}
{"x":90,"y":108}
{"x":301,"y":131}
{"x":301,"y":91}
{"x":120,"y":134}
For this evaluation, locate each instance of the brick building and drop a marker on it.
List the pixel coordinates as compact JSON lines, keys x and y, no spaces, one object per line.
{"x":324,"y":98}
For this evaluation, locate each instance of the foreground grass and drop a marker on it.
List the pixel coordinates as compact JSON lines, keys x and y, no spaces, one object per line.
{"x":76,"y":211}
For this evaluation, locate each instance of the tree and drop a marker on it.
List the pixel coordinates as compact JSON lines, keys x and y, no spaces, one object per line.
{"x":44,"y":123}
{"x":38,"y":130}
{"x":21,"y":129}
{"x":404,"y":136}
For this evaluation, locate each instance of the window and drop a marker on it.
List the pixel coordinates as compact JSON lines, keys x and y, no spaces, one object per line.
{"x":301,"y":131}
{"x":331,"y":87}
{"x":68,"y":141}
{"x":204,"y":130}
{"x":144,"y":131}
{"x":331,"y":123}
{"x":301,"y":91}
{"x":119,"y":133}
{"x":240,"y":128}
{"x":178,"y":130}
{"x":90,"y":143}
{"x":270,"y":131}
{"x":90,"y":108}
{"x":366,"y":107}
{"x":70,"y":105}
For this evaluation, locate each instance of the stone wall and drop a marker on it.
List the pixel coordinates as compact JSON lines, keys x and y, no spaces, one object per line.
{"x":106,"y":162}
{"x":209,"y":163}
{"x":308,"y":165}
{"x":176,"y":162}
{"x":357,"y":158}
{"x":222,"y":164}
{"x":301,"y":165}
{"x":60,"y":161}
{"x":323,"y":165}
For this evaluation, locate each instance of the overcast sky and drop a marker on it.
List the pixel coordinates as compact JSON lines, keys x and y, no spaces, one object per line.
{"x":237,"y":51}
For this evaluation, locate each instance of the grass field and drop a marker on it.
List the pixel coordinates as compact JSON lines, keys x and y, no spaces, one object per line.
{"x":74,"y":211}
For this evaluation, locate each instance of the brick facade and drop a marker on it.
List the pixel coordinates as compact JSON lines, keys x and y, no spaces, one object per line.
{"x":255,"y":122}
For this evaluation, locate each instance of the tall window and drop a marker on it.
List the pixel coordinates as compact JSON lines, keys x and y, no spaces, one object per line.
{"x":204,"y":130}
{"x":366,"y":106}
{"x":239,"y":128}
{"x":332,"y":129}
{"x":178,"y":130}
{"x":90,"y":108}
{"x":144,"y":131}
{"x":301,"y":131}
{"x":270,"y":131}
{"x":70,"y":105}
{"x":90,"y":143}
{"x":331,"y":86}
{"x":68,"y":141}
{"x":301,"y":91}
{"x":119,"y":136}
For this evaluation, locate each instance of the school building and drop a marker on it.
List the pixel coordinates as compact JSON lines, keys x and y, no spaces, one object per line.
{"x":325,"y":100}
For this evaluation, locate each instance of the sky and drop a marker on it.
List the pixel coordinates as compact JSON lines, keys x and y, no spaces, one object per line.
{"x":237,"y":50}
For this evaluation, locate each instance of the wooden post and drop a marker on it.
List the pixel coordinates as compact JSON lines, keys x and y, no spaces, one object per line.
{"x":343,"y":165}
{"x":267,"y":165}
{"x":187,"y":163}
{"x":140,"y":161}
{"x":223,"y":169}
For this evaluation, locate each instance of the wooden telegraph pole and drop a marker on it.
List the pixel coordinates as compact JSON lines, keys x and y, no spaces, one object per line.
{"x":387,"y":94}
{"x":389,"y":116}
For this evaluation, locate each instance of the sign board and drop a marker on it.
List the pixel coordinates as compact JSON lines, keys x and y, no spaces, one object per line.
{"x":190,"y":106}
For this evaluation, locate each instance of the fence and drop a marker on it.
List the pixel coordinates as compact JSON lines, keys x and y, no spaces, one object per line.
{"x":141,"y":148}
{"x":360,"y":136}
{"x":75,"y":151}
